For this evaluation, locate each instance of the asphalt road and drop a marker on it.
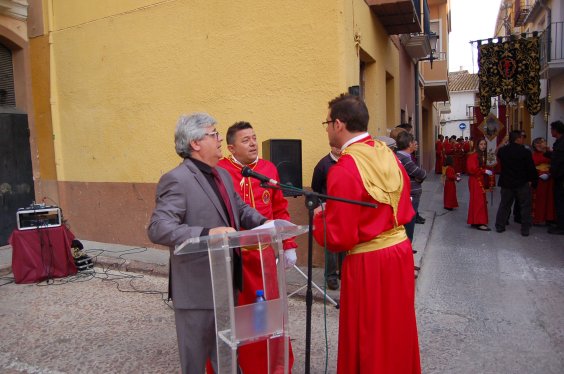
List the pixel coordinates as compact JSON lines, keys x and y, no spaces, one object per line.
{"x":486,"y":303}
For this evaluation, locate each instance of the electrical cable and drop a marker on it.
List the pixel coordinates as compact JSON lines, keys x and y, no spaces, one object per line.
{"x":111,"y":273}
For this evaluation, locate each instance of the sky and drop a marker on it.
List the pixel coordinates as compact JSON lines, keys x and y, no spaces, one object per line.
{"x":471,"y":20}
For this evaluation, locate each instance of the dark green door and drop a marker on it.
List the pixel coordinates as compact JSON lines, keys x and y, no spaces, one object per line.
{"x":16,"y":178}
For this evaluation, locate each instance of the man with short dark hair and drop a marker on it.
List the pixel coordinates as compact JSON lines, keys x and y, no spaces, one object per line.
{"x":333,"y":261}
{"x":518,"y":173}
{"x":406,"y":146}
{"x":243,"y":145}
{"x":377,"y":327}
{"x":557,"y":172}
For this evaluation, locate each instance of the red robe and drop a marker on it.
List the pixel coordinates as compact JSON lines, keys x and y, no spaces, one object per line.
{"x":466,"y":147}
{"x":439,"y":157}
{"x":377,"y":326}
{"x":458,"y":157}
{"x":271,"y":204}
{"x":543,"y":195}
{"x":478,"y":205}
{"x":449,"y":196}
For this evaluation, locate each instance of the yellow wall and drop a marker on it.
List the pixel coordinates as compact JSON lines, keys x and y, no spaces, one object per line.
{"x":125,"y":70}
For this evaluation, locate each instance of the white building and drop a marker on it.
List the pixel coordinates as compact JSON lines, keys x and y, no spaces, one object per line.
{"x":463,"y":89}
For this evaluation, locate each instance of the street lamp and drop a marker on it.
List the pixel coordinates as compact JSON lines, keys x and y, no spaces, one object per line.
{"x":433,"y":40}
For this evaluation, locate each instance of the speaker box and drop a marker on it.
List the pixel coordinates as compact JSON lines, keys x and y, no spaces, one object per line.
{"x":286,"y":155}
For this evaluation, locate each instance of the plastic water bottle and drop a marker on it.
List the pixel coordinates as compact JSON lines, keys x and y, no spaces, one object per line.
{"x":259,"y":313}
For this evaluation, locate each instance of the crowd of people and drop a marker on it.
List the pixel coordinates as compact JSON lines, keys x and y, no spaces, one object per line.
{"x":530,"y":180}
{"x":209,"y":194}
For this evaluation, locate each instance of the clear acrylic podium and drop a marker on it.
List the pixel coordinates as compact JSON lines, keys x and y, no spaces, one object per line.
{"x":237,"y":326}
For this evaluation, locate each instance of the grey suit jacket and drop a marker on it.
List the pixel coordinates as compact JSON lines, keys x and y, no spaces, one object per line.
{"x":185,"y":205}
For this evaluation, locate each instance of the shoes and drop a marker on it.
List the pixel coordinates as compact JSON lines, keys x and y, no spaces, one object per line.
{"x":524,"y":231}
{"x":499,"y":229}
{"x":449,"y":208}
{"x":332,"y":284}
{"x":417,"y":268}
{"x":483,"y":228}
{"x":555,"y":231}
{"x":419,"y":219}
{"x":414,"y":251}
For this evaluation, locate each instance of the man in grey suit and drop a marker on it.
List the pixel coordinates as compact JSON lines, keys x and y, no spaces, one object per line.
{"x":197,"y":199}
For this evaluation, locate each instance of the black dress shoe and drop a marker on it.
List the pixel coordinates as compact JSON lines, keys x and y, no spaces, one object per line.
{"x":499,"y":229}
{"x":414,"y":251}
{"x":419,"y":220}
{"x":555,"y":231}
{"x":332,"y":284}
{"x":525,"y":231}
{"x":417,"y":268}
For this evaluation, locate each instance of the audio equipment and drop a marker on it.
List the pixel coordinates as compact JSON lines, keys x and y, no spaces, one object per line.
{"x":248,"y":172}
{"x":286,"y":155}
{"x":38,"y":216}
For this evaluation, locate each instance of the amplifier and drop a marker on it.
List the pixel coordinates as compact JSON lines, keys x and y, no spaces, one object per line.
{"x":37,"y":218}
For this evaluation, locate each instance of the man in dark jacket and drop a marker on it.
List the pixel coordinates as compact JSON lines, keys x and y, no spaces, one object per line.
{"x":518,"y":173}
{"x":333,"y":260}
{"x":557,"y":172}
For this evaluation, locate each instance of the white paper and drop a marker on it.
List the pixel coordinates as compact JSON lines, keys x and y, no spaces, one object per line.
{"x":277,"y":223}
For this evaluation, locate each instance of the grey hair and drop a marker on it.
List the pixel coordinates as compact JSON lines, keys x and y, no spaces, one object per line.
{"x":190,"y":127}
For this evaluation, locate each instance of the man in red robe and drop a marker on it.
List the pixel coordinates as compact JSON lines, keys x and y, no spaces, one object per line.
{"x":439,"y":155}
{"x":243,"y":146}
{"x":377,"y":326}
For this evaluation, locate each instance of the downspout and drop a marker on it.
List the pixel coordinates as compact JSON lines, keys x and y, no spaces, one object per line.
{"x":417,"y":106}
{"x":549,"y":42}
{"x":55,"y":118}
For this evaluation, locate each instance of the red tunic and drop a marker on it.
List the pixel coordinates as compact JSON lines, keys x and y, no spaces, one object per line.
{"x":543,"y":195}
{"x":478,"y":205}
{"x":438,"y":157}
{"x":458,"y":157}
{"x":377,"y":326}
{"x":271,"y":204}
{"x":449,"y":195}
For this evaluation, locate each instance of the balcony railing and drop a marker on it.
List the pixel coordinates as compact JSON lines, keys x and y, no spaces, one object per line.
{"x":522,"y":10}
{"x":552,"y":44}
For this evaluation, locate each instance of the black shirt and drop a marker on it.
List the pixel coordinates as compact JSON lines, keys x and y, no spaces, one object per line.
{"x":517,"y":166}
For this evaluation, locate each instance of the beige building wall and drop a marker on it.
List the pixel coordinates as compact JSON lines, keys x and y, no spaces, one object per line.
{"x":113,"y":76}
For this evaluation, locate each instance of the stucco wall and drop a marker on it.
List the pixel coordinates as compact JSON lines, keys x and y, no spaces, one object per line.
{"x":122,"y":72}
{"x":122,"y":79}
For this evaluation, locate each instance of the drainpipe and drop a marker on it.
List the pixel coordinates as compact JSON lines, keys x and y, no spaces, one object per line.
{"x":417,"y":106}
{"x":543,"y":4}
{"x":55,"y":118}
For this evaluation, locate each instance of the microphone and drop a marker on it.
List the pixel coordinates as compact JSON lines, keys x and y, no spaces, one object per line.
{"x":248,"y":172}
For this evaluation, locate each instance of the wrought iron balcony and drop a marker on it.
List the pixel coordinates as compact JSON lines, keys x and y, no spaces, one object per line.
{"x":552,"y":49}
{"x":522,"y":10}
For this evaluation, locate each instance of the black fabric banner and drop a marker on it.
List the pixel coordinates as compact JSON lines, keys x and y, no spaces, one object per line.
{"x":509,"y":69}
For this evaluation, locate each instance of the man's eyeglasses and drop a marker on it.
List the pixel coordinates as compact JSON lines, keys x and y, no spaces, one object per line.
{"x":326,"y":123}
{"x":213,"y":133}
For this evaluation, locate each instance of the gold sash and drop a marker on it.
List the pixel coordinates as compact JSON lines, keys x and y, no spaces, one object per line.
{"x":380,"y":172}
{"x":543,"y":167}
{"x":384,"y":240}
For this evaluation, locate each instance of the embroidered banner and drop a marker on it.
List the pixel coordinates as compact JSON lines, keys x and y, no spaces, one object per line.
{"x":509,"y":69}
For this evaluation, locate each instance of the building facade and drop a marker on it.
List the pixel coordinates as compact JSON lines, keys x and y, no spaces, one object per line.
{"x":102,"y":84}
{"x":463,"y":88}
{"x":546,"y":18}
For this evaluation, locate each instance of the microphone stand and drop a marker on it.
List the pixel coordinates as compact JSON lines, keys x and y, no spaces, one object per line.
{"x":311,"y":202}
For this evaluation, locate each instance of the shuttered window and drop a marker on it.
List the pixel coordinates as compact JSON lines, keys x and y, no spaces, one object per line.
{"x":7,"y":96}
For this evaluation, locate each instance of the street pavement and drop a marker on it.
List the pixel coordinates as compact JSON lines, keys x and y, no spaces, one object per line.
{"x":486,"y":303}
